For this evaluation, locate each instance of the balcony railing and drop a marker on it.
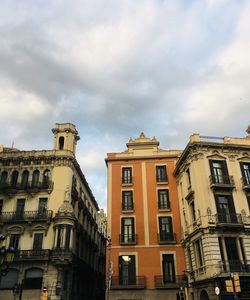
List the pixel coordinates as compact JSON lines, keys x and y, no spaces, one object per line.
{"x":127,"y":206}
{"x":29,"y":186}
{"x":128,"y":239}
{"x":245,"y":183}
{"x":166,"y":237}
{"x":162,"y":282}
{"x":221,"y":181}
{"x":26,"y":216}
{"x":119,"y":283}
{"x":234,"y":266}
{"x":23,"y":255}
{"x":127,"y":180}
{"x":229,"y":219}
{"x":61,"y":255}
{"x":161,"y":178}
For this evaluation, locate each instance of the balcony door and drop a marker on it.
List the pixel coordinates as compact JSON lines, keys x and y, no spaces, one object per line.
{"x":42,"y":207}
{"x":232,"y":254}
{"x":165,"y":228}
{"x":219,"y":171}
{"x":168,"y":268}
{"x":127,"y":271}
{"x":20,"y":208}
{"x":225,"y":209}
{"x":128,"y":235}
{"x":245,"y":168}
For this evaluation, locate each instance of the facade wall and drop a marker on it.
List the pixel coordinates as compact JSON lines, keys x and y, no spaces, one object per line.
{"x":148,"y":251}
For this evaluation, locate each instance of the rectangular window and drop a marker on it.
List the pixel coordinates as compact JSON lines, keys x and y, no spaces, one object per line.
{"x":166,"y":229}
{"x":248,"y":200}
{"x":245,"y":169}
{"x":190,"y":259}
{"x":168,"y":268}
{"x":225,"y":209}
{"x":161,"y":174}
{"x":127,"y":175}
{"x":38,"y":241}
{"x":127,"y":270}
{"x":59,"y":242}
{"x":199,"y":254}
{"x":14,"y":241}
{"x":163,"y":199}
{"x":42,"y":207}
{"x":127,"y":200}
{"x":20,"y":208}
{"x":192,"y":210}
{"x":128,"y":231}
{"x":188,"y":177}
{"x":219,"y":171}
{"x":67,"y":237}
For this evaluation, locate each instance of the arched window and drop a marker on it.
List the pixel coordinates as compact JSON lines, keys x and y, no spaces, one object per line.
{"x":33,"y":278}
{"x":3,"y":179}
{"x":35,"y":178}
{"x":61,"y":143}
{"x":14,"y":178}
{"x":25,"y":178}
{"x":46,"y":176}
{"x":10,"y":279}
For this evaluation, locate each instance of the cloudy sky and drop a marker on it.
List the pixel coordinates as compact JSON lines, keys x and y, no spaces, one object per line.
{"x":117,"y":68}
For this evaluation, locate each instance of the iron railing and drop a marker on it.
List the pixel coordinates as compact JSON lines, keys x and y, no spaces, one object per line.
{"x":166,"y":237}
{"x":42,"y":254}
{"x":128,"y":206}
{"x":128,"y":239}
{"x":127,"y":180}
{"x":221,"y":181}
{"x":6,"y":186}
{"x":232,"y":218}
{"x":135,"y":282}
{"x":34,"y":215}
{"x":234,"y":266}
{"x":165,"y":282}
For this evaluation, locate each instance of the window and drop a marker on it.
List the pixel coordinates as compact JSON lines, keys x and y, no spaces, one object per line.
{"x":42,"y":207}
{"x":127,"y":200}
{"x":67,"y":236}
{"x":20,"y":208}
{"x":192,"y":210}
{"x":161,"y":174}
{"x":248,"y":200}
{"x":46,"y":175}
{"x":189,"y":259}
{"x":168,"y":268}
{"x":128,"y":232}
{"x":38,"y":241}
{"x":166,"y":229}
{"x":127,"y":175}
{"x":9,"y":280}
{"x":199,"y":254}
{"x":14,"y":241}
{"x":188,"y":177}
{"x":219,"y":171}
{"x":225,"y":209}
{"x":163,"y":199}
{"x":35,"y":178}
{"x":59,"y":241}
{"x":14,"y":178}
{"x":245,"y":169}
{"x":25,"y":179}
{"x":3,"y":179}
{"x":127,"y":271}
{"x":61,"y":143}
{"x":33,"y":279}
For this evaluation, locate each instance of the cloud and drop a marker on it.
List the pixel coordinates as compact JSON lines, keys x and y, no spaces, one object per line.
{"x":116,"y":68}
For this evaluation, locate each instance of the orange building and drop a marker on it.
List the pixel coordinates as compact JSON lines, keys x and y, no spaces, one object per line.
{"x":146,"y":257}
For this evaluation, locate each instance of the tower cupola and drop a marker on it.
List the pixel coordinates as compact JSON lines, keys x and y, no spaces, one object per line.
{"x":65,"y":137}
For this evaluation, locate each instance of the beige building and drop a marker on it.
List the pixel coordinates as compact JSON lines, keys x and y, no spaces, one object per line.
{"x":49,"y":215}
{"x":213,"y":179}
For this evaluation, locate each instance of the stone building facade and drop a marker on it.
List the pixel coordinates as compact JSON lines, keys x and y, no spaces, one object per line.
{"x":213,"y":179}
{"x":49,"y":215}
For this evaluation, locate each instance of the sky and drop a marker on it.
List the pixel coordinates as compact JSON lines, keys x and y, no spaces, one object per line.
{"x":119,"y":68}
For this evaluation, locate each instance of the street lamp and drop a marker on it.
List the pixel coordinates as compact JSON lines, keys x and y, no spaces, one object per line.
{"x":7,"y":256}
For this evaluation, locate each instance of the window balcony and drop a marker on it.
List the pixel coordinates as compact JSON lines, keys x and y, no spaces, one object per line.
{"x":136,"y":283}
{"x":31,"y":255}
{"x":128,"y":239}
{"x":245,"y":183}
{"x":221,"y":182}
{"x":166,"y":238}
{"x":239,"y":266}
{"x":26,"y":216}
{"x":229,"y":219}
{"x":170,"y":283}
{"x":127,"y":180}
{"x":10,"y":188}
{"x":128,"y":206}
